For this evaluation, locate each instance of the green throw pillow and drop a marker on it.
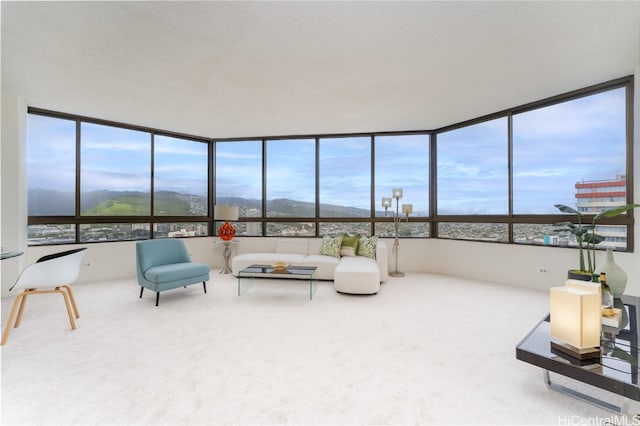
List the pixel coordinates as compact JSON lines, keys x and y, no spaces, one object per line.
{"x":349,"y":245}
{"x":331,"y":246}
{"x":367,"y":247}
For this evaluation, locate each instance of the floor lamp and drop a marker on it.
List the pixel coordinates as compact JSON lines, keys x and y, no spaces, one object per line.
{"x":407,"y":209}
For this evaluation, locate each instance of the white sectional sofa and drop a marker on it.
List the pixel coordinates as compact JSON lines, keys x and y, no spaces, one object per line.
{"x":350,"y":274}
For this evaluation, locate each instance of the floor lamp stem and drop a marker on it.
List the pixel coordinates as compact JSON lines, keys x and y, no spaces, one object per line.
{"x":396,"y":243}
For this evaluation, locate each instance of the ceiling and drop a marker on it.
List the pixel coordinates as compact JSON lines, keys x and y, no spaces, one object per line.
{"x":240,"y":69}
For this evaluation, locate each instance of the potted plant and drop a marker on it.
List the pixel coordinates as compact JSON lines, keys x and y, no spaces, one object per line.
{"x":587,"y":238}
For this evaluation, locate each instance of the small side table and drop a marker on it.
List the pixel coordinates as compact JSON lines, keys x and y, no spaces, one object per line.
{"x":226,"y":255}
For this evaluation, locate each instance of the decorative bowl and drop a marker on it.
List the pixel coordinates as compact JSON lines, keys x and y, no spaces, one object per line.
{"x":280,"y":266}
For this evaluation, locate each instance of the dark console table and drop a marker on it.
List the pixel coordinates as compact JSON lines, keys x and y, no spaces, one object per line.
{"x":615,"y":370}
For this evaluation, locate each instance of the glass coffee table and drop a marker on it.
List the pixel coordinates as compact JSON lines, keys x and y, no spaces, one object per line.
{"x":614,"y":369}
{"x":268,"y":271}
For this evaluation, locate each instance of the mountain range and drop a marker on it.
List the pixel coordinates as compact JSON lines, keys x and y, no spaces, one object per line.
{"x":44,"y":202}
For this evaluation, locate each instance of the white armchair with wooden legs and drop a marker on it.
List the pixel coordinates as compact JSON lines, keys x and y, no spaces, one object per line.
{"x":50,"y":274}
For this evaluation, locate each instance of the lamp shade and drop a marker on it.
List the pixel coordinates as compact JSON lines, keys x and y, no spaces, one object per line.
{"x":386,"y":202}
{"x":397,"y":192}
{"x":223,"y":212}
{"x":575,"y":316}
{"x":407,"y":209}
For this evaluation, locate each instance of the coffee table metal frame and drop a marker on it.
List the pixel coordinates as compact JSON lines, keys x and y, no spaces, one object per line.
{"x":267,"y":271}
{"x":612,"y":373}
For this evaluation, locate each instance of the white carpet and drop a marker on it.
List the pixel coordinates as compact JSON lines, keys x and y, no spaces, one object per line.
{"x":427,"y":349}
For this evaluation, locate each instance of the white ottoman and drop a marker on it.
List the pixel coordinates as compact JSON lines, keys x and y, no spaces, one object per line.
{"x":357,"y":275}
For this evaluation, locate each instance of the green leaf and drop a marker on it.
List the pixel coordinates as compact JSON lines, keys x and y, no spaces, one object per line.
{"x":567,"y":209}
{"x":615,"y":211}
{"x":594,"y":239}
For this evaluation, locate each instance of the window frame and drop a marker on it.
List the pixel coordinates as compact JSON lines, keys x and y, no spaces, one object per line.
{"x":433,"y":218}
{"x":511,"y":218}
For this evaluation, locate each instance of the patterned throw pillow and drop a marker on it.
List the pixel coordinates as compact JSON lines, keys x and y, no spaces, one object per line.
{"x":331,"y":246}
{"x":349,"y":245}
{"x":367,"y":247}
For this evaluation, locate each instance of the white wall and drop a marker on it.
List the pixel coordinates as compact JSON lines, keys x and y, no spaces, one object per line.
{"x":116,"y":260}
{"x":13,"y":207}
{"x":508,"y":264}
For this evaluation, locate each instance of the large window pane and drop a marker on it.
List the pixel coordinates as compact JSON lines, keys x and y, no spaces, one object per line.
{"x":180,"y":229}
{"x":244,"y":229}
{"x":51,"y":166}
{"x":114,"y":232}
{"x":291,"y":178}
{"x":115,"y":177}
{"x":180,"y":171}
{"x":561,"y":146}
{"x":405,"y":229}
{"x":291,"y":229}
{"x":493,"y":232}
{"x":402,"y":161}
{"x":239,"y":176}
{"x":51,"y":234}
{"x":337,"y":228}
{"x":473,"y":169}
{"x":537,"y":234}
{"x":345,"y":177}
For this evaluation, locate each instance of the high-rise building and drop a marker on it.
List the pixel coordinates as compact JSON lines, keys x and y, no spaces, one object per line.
{"x":253,"y":228}
{"x":593,"y":197}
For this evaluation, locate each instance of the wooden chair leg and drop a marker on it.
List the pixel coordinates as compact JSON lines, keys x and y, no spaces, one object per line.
{"x":72,"y":299}
{"x":66,"y":302}
{"x":7,"y":327}
{"x":157,"y":297}
{"x":141,"y":290}
{"x":204,"y":284}
{"x":25,"y":293}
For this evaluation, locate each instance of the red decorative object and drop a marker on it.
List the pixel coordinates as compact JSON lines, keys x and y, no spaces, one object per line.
{"x":226,"y":232}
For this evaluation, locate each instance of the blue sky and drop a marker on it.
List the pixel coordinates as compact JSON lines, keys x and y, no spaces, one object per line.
{"x":557,"y":146}
{"x":554,"y":147}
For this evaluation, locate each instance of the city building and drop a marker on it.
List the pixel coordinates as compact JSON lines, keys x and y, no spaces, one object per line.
{"x":593,"y":197}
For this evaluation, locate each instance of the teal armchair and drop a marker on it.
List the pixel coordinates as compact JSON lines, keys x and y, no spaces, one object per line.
{"x":165,"y":264}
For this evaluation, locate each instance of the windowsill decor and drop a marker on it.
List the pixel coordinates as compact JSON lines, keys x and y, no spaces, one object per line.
{"x":587,"y":238}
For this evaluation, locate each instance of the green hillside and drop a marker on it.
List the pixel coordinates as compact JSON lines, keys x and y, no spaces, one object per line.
{"x":171,"y":204}
{"x":121,"y":206}
{"x":138,"y":204}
